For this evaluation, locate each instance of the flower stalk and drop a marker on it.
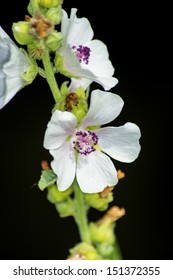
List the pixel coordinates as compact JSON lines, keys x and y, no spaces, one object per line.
{"x":50,"y":75}
{"x":81,"y":214}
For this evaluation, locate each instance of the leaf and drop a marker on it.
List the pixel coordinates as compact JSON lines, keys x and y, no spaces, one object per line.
{"x":48,"y":177}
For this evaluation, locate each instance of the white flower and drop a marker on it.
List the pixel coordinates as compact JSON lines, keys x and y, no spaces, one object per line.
{"x":81,"y":152}
{"x":13,"y":64}
{"x":82,"y":56}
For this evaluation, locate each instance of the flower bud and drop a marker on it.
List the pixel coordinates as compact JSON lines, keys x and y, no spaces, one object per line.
{"x":55,"y":196}
{"x":106,"y":249}
{"x":102,"y":232}
{"x":98,"y":202}
{"x":21,"y":32}
{"x":66,"y":208}
{"x":54,"y":14}
{"x":53,"y":41}
{"x":84,"y":251}
{"x":50,"y":3}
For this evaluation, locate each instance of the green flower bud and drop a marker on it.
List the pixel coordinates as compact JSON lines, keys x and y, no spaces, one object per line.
{"x":103,"y":232}
{"x":97,"y":202}
{"x":21,"y":32}
{"x":53,"y":41}
{"x":84,"y":251}
{"x":55,"y":196}
{"x":66,"y":208}
{"x":105,"y":250}
{"x":54,"y":14}
{"x":49,"y":3}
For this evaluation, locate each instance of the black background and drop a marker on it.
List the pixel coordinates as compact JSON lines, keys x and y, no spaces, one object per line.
{"x":138,"y":37}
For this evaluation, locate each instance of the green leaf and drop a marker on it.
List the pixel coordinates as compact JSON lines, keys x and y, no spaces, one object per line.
{"x":48,"y":177}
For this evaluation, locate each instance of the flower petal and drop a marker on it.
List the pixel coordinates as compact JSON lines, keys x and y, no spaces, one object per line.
{"x":11,"y":86}
{"x":2,"y":89}
{"x":104,"y":108}
{"x":121,"y":143}
{"x":13,"y":64}
{"x":4,"y":54}
{"x":99,"y":69}
{"x":77,"y":83}
{"x":61,"y":125}
{"x":64,"y":165}
{"x":17,"y":64}
{"x":75,"y":30}
{"x":95,"y":172}
{"x":78,"y":32}
{"x":72,"y":65}
{"x":100,"y":65}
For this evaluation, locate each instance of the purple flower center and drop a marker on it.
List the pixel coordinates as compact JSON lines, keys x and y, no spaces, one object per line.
{"x":84,"y":142}
{"x":82,"y":53}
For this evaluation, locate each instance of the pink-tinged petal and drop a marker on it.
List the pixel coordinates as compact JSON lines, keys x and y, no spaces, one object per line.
{"x":64,"y":165}
{"x":121,"y":143}
{"x":61,"y":125}
{"x":72,"y":64}
{"x":85,"y":76}
{"x":95,"y":171}
{"x":75,"y":30}
{"x":98,"y":68}
{"x":104,"y":108}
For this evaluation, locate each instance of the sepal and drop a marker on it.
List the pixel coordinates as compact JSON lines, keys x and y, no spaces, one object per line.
{"x":32,"y":70}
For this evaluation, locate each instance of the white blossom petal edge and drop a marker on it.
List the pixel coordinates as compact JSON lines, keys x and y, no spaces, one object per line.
{"x":13,"y":64}
{"x":81,"y":152}
{"x":83,"y":57}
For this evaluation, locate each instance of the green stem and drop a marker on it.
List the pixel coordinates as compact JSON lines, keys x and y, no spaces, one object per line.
{"x":50,"y":76}
{"x":81,"y":214}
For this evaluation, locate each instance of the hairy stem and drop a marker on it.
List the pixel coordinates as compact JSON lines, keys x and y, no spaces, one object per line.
{"x":50,"y":76}
{"x":81,"y":214}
